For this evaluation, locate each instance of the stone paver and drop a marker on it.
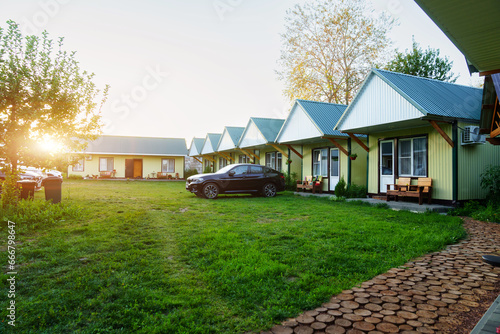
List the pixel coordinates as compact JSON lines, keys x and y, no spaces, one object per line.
{"x":431,"y":294}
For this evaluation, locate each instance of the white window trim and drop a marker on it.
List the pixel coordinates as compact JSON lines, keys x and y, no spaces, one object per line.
{"x":412,"y":153}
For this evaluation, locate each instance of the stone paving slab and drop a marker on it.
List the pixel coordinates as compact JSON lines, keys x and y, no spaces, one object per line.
{"x":431,"y":294}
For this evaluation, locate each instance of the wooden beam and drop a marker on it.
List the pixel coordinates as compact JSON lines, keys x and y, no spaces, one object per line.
{"x":279,"y":150}
{"x":495,"y":132}
{"x":294,"y":151}
{"x":357,"y":140}
{"x":225,"y":156}
{"x":245,"y":153}
{"x":485,"y":73}
{"x":251,"y":153}
{"x":493,"y":141}
{"x":195,"y":158}
{"x":208,"y":158}
{"x":334,"y":142}
{"x":442,"y":133}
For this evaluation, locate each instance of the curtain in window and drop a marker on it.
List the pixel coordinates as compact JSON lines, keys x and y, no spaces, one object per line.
{"x":420,"y":156}
{"x":405,"y":157}
{"x":106,"y":164}
{"x":167,"y":165}
{"x":316,"y":162}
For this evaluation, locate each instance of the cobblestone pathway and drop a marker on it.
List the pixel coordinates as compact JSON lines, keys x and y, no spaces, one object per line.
{"x":443,"y":292}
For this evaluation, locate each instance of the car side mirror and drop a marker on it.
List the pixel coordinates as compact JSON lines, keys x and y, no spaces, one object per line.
{"x":231,"y":173}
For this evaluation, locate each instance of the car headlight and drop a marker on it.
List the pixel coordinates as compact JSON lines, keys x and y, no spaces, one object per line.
{"x":197,"y":180}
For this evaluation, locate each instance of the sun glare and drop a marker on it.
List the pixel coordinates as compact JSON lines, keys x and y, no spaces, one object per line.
{"x":49,"y":145}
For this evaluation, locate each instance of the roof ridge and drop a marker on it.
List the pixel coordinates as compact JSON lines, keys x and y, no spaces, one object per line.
{"x":329,"y":103}
{"x":423,"y":78}
{"x":273,"y":119}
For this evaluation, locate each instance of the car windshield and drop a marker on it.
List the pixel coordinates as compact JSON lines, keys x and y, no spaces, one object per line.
{"x":225,"y":169}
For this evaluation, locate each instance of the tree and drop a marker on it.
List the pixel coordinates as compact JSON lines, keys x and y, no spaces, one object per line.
{"x":328,"y":48}
{"x":422,"y":63}
{"x":42,"y":95}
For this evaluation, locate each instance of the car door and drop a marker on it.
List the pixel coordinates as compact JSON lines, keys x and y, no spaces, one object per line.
{"x":255,"y":178}
{"x":236,"y":179}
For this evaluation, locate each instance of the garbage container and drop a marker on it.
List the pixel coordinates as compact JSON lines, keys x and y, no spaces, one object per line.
{"x":52,"y":185}
{"x":27,"y":188}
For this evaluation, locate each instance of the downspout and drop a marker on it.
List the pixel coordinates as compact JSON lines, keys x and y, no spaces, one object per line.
{"x":454,"y":159}
{"x":348,"y":163}
{"x":302,"y":162}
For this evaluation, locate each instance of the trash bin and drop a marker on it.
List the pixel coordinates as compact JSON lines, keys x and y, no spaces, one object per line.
{"x":27,"y":188}
{"x":52,"y":185}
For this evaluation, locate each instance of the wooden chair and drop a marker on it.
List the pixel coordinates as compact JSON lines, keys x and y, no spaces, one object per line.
{"x":106,"y":175}
{"x":304,"y":184}
{"x":161,"y":175}
{"x":402,"y":184}
{"x":318,"y":185}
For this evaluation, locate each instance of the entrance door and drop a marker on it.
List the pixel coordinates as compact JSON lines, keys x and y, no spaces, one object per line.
{"x":334,"y":168}
{"x":137,"y":168}
{"x":129,"y":168}
{"x":386,"y":164}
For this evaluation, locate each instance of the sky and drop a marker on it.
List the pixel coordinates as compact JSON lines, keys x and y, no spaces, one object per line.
{"x":182,"y":69}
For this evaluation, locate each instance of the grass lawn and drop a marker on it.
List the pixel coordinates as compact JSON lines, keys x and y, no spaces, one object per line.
{"x":148,"y":257}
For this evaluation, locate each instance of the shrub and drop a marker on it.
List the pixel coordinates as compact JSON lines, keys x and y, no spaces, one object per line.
{"x":341,"y":188}
{"x":291,"y":181}
{"x":490,"y":180}
{"x":74,"y":177}
{"x":190,"y":172}
{"x":207,"y":169}
{"x":355,"y":191}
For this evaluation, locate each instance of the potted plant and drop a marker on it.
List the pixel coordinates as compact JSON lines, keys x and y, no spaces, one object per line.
{"x":288,"y":161}
{"x":353,"y":156}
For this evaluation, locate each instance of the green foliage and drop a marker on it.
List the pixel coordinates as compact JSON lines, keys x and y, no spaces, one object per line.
{"x":10,"y":191}
{"x":207,"y":169}
{"x":190,"y":172}
{"x":74,"y":177}
{"x":43,"y":94}
{"x":355,"y":191}
{"x":490,"y":180}
{"x":328,"y":48}
{"x":291,"y":181}
{"x":149,"y":257}
{"x":341,"y":188}
{"x":422,"y":63}
{"x":488,"y":213}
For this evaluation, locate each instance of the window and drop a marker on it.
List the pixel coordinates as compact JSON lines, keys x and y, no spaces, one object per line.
{"x":243,"y":159}
{"x":413,"y":157}
{"x":273,"y":160}
{"x":79,"y":166}
{"x":167,"y":165}
{"x":106,"y":164}
{"x":240,"y":170}
{"x":256,"y":169}
{"x":222,"y":163}
{"x":320,"y":162}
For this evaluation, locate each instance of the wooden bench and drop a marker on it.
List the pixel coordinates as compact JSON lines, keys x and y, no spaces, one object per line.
{"x":305,"y":184}
{"x":406,"y":189}
{"x":106,"y":175}
{"x":311,"y":183}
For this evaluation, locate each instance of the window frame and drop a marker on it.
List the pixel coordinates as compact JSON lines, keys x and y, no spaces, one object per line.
{"x":173,"y":165}
{"x":82,"y":160}
{"x":412,"y":156}
{"x":107,"y":163}
{"x":326,"y":172}
{"x":278,"y":160}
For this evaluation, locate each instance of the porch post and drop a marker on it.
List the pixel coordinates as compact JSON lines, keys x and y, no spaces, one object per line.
{"x":349,"y":163}
{"x":367,"y":162}
{"x":454,"y":159}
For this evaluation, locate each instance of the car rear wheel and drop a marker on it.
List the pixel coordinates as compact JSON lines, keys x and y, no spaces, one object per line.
{"x":269,"y":190}
{"x":211,"y":191}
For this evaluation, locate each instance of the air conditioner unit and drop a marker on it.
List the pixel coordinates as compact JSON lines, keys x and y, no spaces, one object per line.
{"x":470,"y":135}
{"x":88,"y":158}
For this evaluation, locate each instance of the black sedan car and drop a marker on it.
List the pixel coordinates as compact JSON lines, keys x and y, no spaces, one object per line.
{"x":237,"y":179}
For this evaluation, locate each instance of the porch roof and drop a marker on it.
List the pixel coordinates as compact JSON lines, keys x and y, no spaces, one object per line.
{"x":473,"y":26}
{"x":309,"y":121}
{"x":230,"y":138}
{"x":196,"y":146}
{"x":260,"y":132}
{"x":403,"y":101}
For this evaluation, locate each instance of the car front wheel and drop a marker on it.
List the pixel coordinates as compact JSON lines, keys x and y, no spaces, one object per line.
{"x":211,"y":191}
{"x":269,"y":190}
